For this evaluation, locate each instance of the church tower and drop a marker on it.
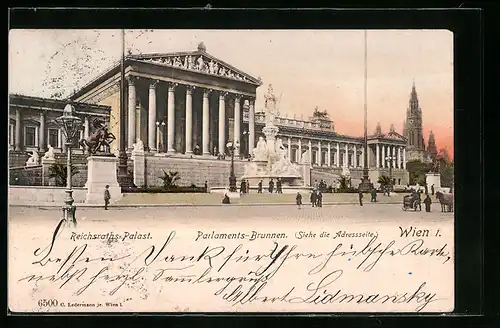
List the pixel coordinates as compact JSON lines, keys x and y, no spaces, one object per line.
{"x":431,"y":147}
{"x":413,"y":131}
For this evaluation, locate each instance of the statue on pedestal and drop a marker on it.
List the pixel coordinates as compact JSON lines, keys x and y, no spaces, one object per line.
{"x":49,"y":154}
{"x":100,"y":138}
{"x":34,"y":159}
{"x":260,"y":152}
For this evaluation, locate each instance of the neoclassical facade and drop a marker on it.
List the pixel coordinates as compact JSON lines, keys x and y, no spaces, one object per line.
{"x":190,"y":104}
{"x":32,"y":126}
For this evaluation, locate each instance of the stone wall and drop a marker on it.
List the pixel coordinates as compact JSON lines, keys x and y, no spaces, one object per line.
{"x":38,"y":194}
{"x":191,"y":170}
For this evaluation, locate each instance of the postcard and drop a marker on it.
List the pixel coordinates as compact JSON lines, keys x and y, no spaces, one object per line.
{"x":202,"y":171}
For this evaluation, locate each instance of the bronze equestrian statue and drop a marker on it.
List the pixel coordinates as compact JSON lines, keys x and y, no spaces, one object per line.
{"x":101,"y":137}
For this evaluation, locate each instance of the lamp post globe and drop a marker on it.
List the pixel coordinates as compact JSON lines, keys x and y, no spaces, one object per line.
{"x":71,"y":125}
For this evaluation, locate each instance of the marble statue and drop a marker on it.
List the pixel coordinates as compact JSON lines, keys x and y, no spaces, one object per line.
{"x":260,"y":152}
{"x":211,"y":67}
{"x":49,"y":154}
{"x":270,"y":105}
{"x":34,"y":159}
{"x":305,"y":159}
{"x":200,"y":63}
{"x":281,"y":150}
{"x":138,"y":146}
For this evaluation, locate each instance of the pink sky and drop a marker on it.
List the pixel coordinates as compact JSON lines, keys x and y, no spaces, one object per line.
{"x":307,"y":68}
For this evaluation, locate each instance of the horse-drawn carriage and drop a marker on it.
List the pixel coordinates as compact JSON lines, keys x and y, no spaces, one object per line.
{"x":412,"y":202}
{"x":446,"y":201}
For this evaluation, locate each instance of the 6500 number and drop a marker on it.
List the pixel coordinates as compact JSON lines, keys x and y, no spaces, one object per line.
{"x":48,"y":303}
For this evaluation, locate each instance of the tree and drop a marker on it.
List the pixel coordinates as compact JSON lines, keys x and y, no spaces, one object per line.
{"x":59,"y":171}
{"x":169,"y":179}
{"x":384,"y":180}
{"x":417,"y":171}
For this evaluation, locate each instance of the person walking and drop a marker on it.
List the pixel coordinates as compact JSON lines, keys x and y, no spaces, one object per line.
{"x":206,"y":186}
{"x":428,"y":202}
{"x":432,"y":190}
{"x":313,"y":198}
{"x":298,"y":199}
{"x":278,"y":186}
{"x":242,"y":186}
{"x":319,"y":199}
{"x":374,"y":195}
{"x":259,"y":187}
{"x":247,"y":186}
{"x":271,"y":186}
{"x":107,"y":197}
{"x":360,"y":198}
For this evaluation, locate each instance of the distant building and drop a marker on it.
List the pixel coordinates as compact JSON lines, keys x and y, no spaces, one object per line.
{"x":413,"y":131}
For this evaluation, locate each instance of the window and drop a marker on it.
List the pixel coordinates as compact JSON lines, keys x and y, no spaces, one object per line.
{"x":29,"y":136}
{"x":53,"y":139}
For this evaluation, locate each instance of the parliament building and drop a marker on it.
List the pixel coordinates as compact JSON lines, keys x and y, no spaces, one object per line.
{"x":186,"y":106}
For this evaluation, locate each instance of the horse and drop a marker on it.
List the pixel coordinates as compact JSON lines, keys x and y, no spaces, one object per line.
{"x":446,"y":201}
{"x":96,"y":140}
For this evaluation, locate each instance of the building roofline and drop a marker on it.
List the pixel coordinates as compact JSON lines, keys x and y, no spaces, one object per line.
{"x":15,"y":99}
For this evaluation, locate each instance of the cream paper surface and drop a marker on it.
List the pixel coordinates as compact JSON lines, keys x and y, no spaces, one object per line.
{"x":268,"y":265}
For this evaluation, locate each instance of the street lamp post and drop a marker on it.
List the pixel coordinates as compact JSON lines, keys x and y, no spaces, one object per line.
{"x":162,"y":136}
{"x":247,"y":146}
{"x":232,"y":177}
{"x":70,"y":125}
{"x":389,"y":160}
{"x":365,"y":183}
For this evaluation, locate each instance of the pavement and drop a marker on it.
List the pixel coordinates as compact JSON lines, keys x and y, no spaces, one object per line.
{"x":211,"y":199}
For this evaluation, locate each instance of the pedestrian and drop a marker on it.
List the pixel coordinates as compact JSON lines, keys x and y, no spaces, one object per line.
{"x":247,"y":186}
{"x":107,"y":197}
{"x":242,"y":186}
{"x":432,"y":190}
{"x":426,"y":189}
{"x":226,"y":200}
{"x":206,"y":186}
{"x":259,"y":187}
{"x":360,"y":198}
{"x":298,"y":199}
{"x":374,"y":195}
{"x":427,"y":202}
{"x":278,"y":186}
{"x":319,"y":199}
{"x":313,"y":198}
{"x":271,"y":186}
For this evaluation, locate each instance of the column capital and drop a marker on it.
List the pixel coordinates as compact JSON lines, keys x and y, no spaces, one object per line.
{"x":190,"y":89}
{"x":207,"y":92}
{"x":237,"y":97}
{"x":172,"y":86}
{"x":222,"y":94}
{"x":251,"y":99}
{"x":153,"y":84}
{"x":131,"y":79}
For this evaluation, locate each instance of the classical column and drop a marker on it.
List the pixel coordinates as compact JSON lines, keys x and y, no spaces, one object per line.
{"x":189,"y":119}
{"x":399,"y":158}
{"x":404,"y":158}
{"x":171,"y":118}
{"x":310,"y":152}
{"x":329,"y":155}
{"x":378,"y":156}
{"x":355,"y":156}
{"x":222,"y":122}
{"x":18,"y":129}
{"x":206,"y":121}
{"x":60,"y":142}
{"x":290,"y":148}
{"x":86,"y":128}
{"x":251,"y":125}
{"x":237,"y":119}
{"x":346,"y":158}
{"x":42,"y":131}
{"x":383,"y":156}
{"x":318,"y":157}
{"x":152,"y":117}
{"x":131,"y":111}
{"x":299,"y":156}
{"x":337,"y":155}
{"x":393,"y":156}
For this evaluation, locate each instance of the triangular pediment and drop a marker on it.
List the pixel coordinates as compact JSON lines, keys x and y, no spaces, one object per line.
{"x":198,"y":61}
{"x":395,"y":136}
